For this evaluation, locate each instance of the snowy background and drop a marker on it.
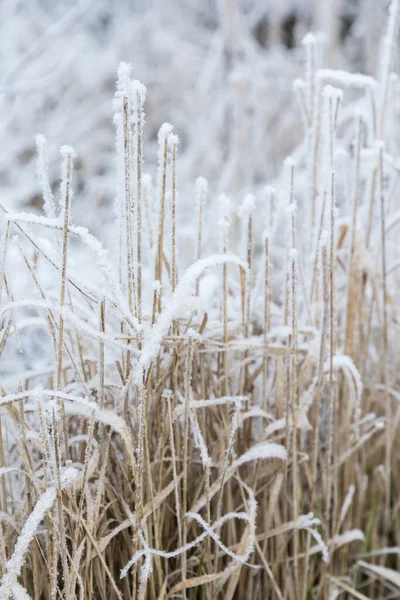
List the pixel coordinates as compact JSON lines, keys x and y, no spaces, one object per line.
{"x":220,"y":75}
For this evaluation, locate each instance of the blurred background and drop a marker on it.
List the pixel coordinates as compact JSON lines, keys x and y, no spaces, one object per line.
{"x":220,"y":71}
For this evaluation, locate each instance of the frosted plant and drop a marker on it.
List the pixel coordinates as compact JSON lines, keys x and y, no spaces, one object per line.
{"x":199,"y":391}
{"x":45,"y":502}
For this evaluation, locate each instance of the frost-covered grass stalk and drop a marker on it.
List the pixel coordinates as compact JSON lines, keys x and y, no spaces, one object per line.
{"x":210,"y":407}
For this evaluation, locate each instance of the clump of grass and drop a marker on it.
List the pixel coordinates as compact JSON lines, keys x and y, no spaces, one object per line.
{"x":226,"y":429}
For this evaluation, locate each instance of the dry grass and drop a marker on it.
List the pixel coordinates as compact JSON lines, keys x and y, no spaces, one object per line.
{"x":235,"y":444}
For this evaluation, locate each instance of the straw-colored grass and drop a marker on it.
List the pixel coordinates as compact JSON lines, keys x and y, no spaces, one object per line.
{"x":219,"y":425}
